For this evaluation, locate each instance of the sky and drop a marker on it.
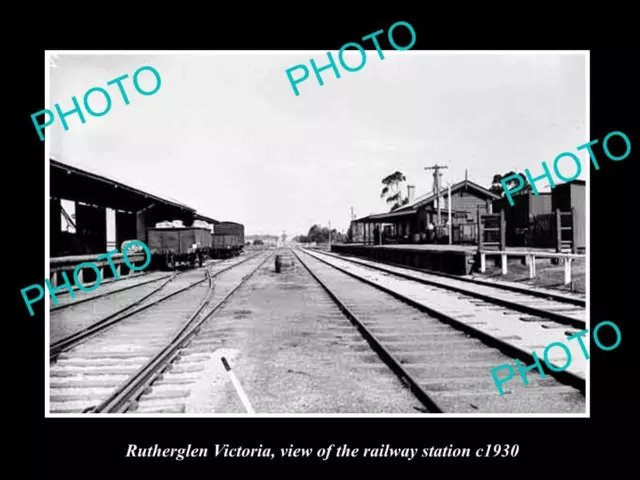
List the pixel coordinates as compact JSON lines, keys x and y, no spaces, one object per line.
{"x":226,"y":135}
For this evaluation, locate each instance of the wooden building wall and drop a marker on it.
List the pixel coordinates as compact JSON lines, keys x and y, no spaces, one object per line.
{"x":527,"y":215}
{"x":463,"y":201}
{"x":573,"y":195}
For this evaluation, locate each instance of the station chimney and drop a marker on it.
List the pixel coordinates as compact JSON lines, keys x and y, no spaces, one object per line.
{"x":410,"y":192}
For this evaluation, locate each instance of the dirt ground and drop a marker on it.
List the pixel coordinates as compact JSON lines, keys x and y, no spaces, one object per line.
{"x":547,"y":274}
{"x":293,"y":351}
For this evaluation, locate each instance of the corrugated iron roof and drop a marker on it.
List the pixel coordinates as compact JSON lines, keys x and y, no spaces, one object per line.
{"x":94,"y":175}
{"x":431,"y":196}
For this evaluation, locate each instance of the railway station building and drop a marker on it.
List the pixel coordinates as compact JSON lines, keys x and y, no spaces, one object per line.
{"x":411,"y":223}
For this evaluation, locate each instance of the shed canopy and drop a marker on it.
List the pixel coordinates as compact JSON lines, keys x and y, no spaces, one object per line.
{"x":73,"y":183}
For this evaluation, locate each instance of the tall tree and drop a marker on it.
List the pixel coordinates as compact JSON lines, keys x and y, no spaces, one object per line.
{"x":320,"y":234}
{"x":496,"y":186}
{"x":392,"y":190}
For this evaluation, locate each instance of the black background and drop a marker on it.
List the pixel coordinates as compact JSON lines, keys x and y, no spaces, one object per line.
{"x":94,"y":447}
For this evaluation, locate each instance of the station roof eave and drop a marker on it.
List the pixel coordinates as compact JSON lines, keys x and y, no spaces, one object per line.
{"x":398,"y":215}
{"x":390,"y":217}
{"x":73,"y":183}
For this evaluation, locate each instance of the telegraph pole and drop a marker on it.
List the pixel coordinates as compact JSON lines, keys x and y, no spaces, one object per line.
{"x":436,"y":183}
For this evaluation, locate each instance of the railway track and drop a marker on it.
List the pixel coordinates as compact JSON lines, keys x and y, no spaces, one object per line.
{"x":71,"y":327}
{"x":67,"y":301}
{"x":98,"y":365}
{"x":110,"y":287}
{"x":572,"y":298}
{"x":562,"y":309}
{"x":443,"y":344}
{"x":292,"y":350}
{"x":76,"y":322}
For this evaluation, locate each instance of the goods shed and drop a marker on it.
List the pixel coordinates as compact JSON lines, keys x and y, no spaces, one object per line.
{"x":92,"y":194}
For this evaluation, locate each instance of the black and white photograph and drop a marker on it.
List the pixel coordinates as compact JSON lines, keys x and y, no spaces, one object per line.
{"x":275,"y":233}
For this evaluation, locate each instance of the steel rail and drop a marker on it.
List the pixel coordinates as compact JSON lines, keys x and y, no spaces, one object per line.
{"x":121,"y":399}
{"x":513,"y":305}
{"x":386,"y":356}
{"x":502,"y":286}
{"x":101,"y":325}
{"x":107,"y":281}
{"x":94,"y":297}
{"x":513,"y":351}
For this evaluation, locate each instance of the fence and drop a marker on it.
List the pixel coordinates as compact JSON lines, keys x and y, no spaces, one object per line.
{"x":530,"y":258}
{"x":492,"y":231}
{"x":462,"y":233}
{"x":555,"y":230}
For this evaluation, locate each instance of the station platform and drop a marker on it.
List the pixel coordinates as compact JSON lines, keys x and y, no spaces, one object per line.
{"x":452,"y":259}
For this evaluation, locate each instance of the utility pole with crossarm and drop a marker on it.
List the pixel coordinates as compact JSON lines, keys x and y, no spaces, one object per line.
{"x":436,"y":184}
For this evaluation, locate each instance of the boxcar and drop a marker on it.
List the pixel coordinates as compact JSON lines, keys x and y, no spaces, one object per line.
{"x":179,"y":245}
{"x":227,"y":239}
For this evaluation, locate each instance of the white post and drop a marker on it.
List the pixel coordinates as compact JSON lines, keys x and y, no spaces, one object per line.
{"x":449,"y":198}
{"x":504,"y":263}
{"x":532,"y":265}
{"x":567,"y":270}
{"x":483,"y":262}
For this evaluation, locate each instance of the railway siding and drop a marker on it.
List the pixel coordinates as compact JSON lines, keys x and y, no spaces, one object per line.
{"x":113,"y":355}
{"x":88,"y":373}
{"x":75,"y":318}
{"x":553,"y":309}
{"x":109,"y":287}
{"x":452,"y":367}
{"x":528,"y":334}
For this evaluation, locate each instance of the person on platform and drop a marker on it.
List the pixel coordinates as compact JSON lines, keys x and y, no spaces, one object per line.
{"x":431,"y":232}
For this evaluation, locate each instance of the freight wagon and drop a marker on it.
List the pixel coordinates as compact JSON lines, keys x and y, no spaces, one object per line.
{"x":171,"y":247}
{"x":227,"y":239}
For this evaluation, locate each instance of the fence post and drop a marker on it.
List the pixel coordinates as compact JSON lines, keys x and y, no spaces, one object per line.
{"x":483,"y":262}
{"x":558,"y":231}
{"x":503,"y":259}
{"x":503,"y":232}
{"x":532,"y":265}
{"x":567,"y":270}
{"x":574,"y":224}
{"x":480,"y":232}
